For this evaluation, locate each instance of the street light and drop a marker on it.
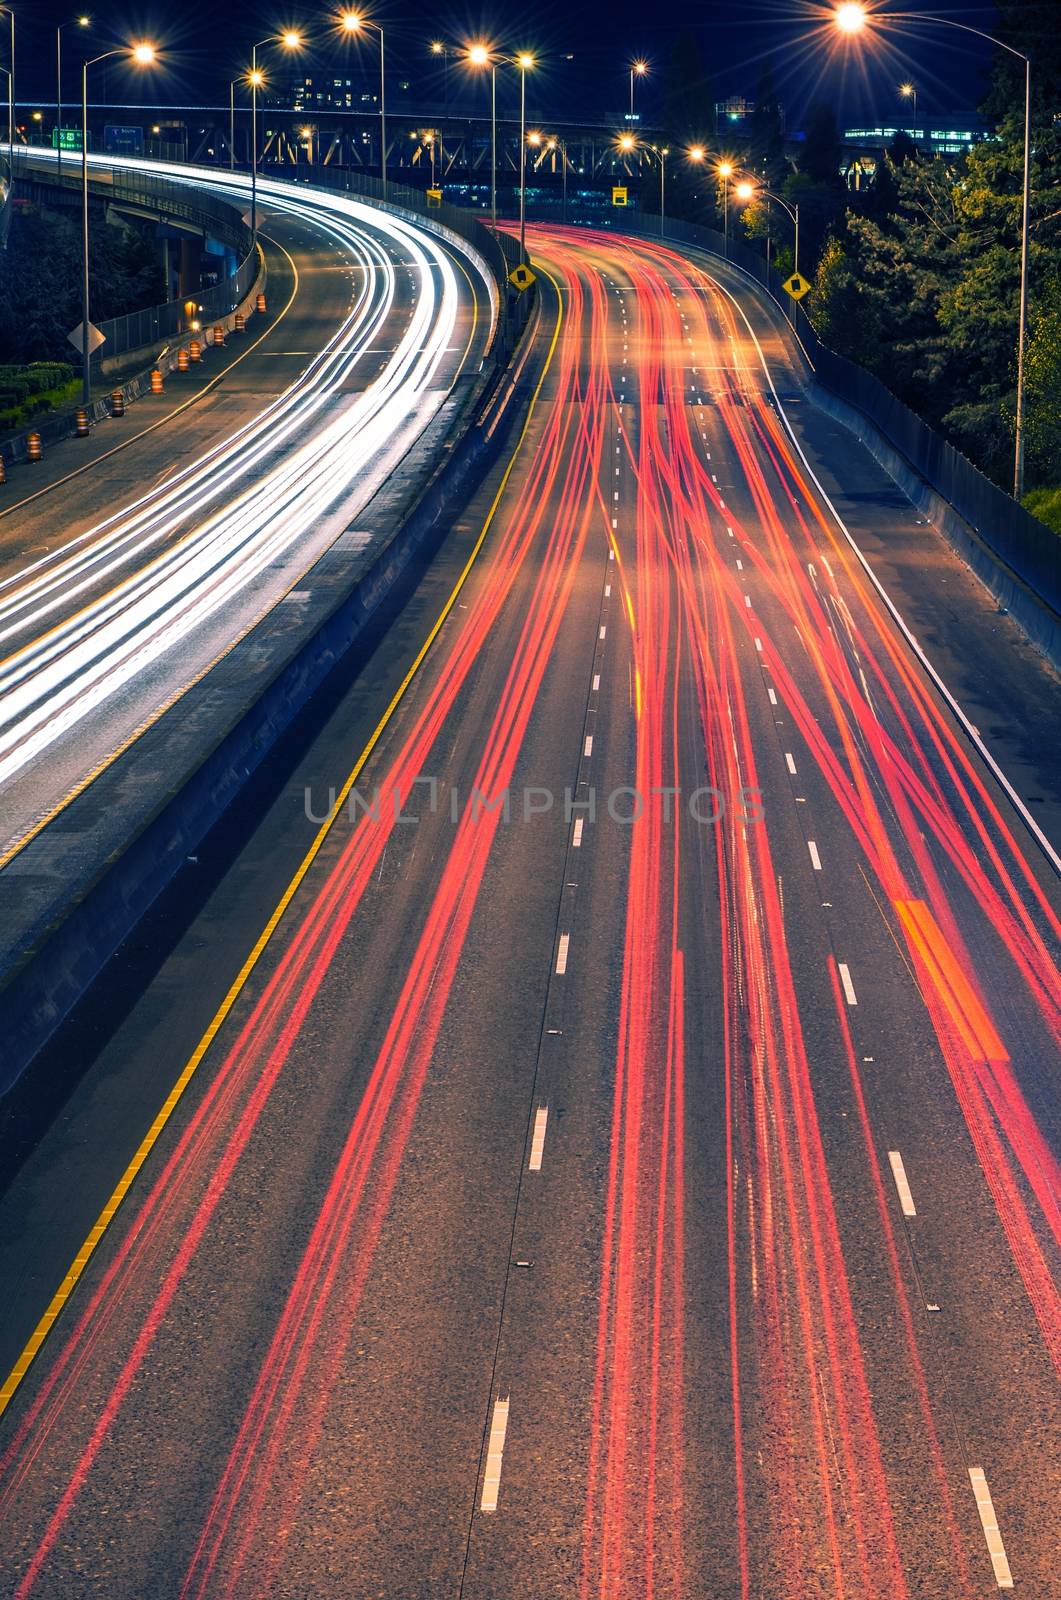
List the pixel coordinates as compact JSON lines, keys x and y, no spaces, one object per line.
{"x":747,"y":191}
{"x":440,"y":49}
{"x":73,"y":22}
{"x":852,"y":18}
{"x":478,"y":55}
{"x":353,"y":22}
{"x":525,"y":63}
{"x":638,"y":69}
{"x":7,"y":12}
{"x":628,"y":143}
{"x":142,"y":55}
{"x":290,"y":40}
{"x":909,"y":92}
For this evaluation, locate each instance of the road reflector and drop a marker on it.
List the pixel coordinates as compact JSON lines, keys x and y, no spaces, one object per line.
{"x":797,"y":286}
{"x":522,"y":277}
{"x":620,"y":195}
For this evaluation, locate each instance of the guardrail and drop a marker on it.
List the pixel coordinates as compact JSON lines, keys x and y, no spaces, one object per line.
{"x":1025,"y":545}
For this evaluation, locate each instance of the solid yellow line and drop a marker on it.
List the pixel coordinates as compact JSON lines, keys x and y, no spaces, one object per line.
{"x":150,"y":1139}
{"x":177,"y":410}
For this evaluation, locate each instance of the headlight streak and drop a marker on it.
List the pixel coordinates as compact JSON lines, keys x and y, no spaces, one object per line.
{"x":64,"y":673}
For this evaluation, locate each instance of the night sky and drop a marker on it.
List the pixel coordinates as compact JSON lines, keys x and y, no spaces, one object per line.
{"x":205,"y":45}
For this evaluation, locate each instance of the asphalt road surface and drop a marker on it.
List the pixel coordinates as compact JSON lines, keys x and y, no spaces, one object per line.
{"x":123,"y":584}
{"x":618,"y":1154}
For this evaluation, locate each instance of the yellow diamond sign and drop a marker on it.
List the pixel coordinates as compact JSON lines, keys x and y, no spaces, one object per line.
{"x":521,"y":276}
{"x":797,"y":286}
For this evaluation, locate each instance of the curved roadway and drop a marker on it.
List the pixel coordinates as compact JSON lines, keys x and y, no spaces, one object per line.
{"x":646,"y":1187}
{"x":221,"y":510}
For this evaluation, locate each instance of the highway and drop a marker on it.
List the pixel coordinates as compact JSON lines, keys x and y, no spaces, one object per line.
{"x":587,"y":1125}
{"x":220,"y":512}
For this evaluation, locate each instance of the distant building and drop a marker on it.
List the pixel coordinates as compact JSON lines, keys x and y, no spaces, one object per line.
{"x":941,"y":136}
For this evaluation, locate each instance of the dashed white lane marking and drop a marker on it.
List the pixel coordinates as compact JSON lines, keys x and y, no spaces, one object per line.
{"x":815,"y":858}
{"x":996,"y":1549}
{"x":561,"y":954}
{"x":906,"y":1199}
{"x":541,"y":1118}
{"x":611,"y":555}
{"x":587,"y":748}
{"x":576,"y":837}
{"x":596,"y":681}
{"x":748,"y":601}
{"x":758,"y":643}
{"x":615,"y":496}
{"x":773,"y":696}
{"x":790,"y":764}
{"x":607,"y":591}
{"x":740,"y":564}
{"x":849,"y":988}
{"x":495,"y":1450}
{"x":603,"y":631}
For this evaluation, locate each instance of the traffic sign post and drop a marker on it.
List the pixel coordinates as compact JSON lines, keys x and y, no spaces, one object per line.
{"x":434,"y":199}
{"x":521,"y":277}
{"x":797,"y":286}
{"x":620,"y":195}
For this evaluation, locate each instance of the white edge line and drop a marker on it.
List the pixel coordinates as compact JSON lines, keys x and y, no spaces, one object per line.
{"x":970,"y":732}
{"x":495,"y":1451}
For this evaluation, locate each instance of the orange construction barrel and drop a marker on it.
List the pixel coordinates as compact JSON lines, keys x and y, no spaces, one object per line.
{"x":219,"y":336}
{"x":80,"y":423}
{"x":33,"y":447}
{"x":240,"y":323}
{"x":182,"y":360}
{"x":195,"y":350}
{"x":117,"y":403}
{"x":259,"y":304}
{"x":3,"y":471}
{"x":156,"y":381}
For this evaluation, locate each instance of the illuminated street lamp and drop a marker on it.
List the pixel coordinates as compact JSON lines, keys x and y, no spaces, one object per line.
{"x":6,"y":11}
{"x":73,"y":22}
{"x":290,"y":40}
{"x":638,"y":69}
{"x":141,"y":55}
{"x":853,"y":18}
{"x":747,"y":191}
{"x":909,"y":92}
{"x":553,"y":143}
{"x":440,"y":49}
{"x":354,"y":22}
{"x":481,"y":55}
{"x":628,"y":143}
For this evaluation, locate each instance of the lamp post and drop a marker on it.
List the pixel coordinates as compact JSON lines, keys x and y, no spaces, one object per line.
{"x":232,"y":123}
{"x":555,"y":143}
{"x":853,"y":19}
{"x":6,"y":11}
{"x":290,"y":41}
{"x":638,"y":69}
{"x":142,"y":55}
{"x":74,"y":22}
{"x":440,"y":49}
{"x":353,"y":22}
{"x":909,"y":92}
{"x":479,"y":56}
{"x":747,"y":191}
{"x":525,"y":62}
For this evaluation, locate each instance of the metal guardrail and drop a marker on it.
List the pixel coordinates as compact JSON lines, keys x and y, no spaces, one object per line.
{"x":1024,"y":544}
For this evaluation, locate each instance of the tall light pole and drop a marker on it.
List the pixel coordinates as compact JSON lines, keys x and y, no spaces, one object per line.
{"x":553,"y":144}
{"x":638,"y":69}
{"x":354,"y":22}
{"x":142,"y":55}
{"x":289,"y":41}
{"x":748,"y":191}
{"x":853,"y":19}
{"x":232,"y":122}
{"x":6,"y":11}
{"x":479,"y":56}
{"x":74,"y":22}
{"x":909,"y":92}
{"x":525,"y":63}
{"x":440,"y":49}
